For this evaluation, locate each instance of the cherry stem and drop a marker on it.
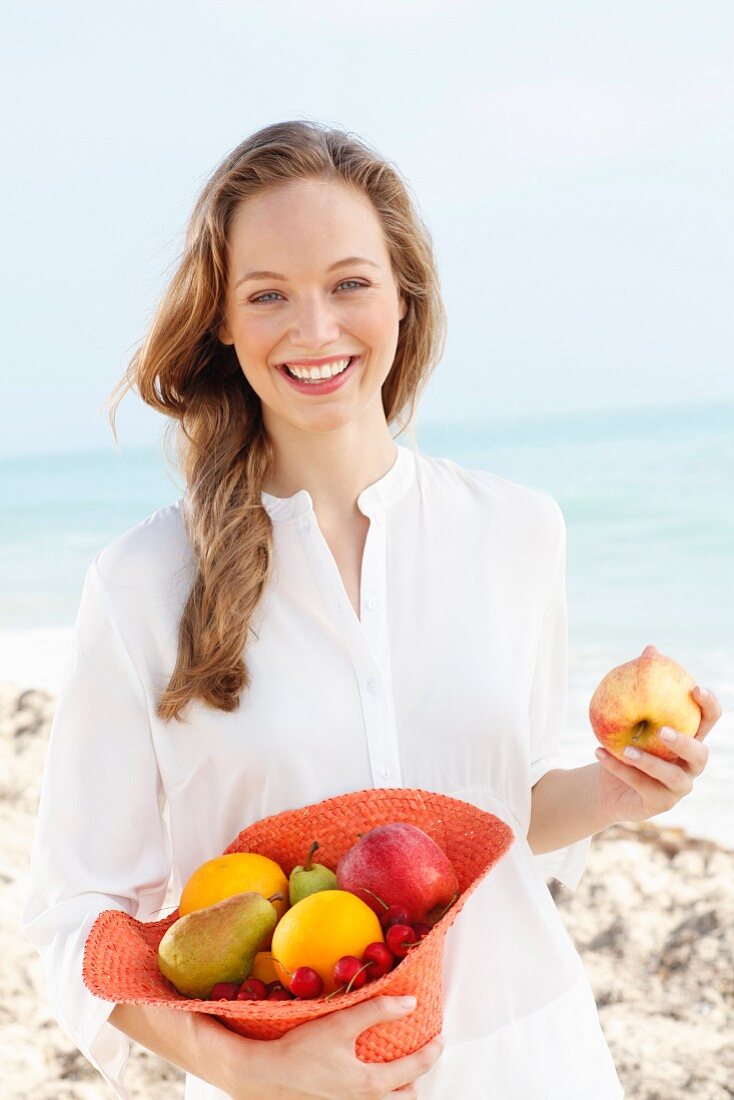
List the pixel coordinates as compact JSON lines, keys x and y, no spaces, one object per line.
{"x":348,"y":987}
{"x":274,"y":958}
{"x":354,"y":975}
{"x":444,"y":911}
{"x":374,"y":896}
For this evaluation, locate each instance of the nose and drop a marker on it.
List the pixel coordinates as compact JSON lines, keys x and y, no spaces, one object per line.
{"x":315,"y":325}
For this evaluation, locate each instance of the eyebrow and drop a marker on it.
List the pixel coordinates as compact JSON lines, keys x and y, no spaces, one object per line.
{"x":275,"y":275}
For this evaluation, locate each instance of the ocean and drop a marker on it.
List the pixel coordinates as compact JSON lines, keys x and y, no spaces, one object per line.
{"x":648,"y":497}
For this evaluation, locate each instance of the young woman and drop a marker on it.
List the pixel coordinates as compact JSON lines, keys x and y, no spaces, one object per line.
{"x":324,"y":610}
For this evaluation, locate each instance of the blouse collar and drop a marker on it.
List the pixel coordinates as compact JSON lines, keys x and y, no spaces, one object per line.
{"x":380,"y":494}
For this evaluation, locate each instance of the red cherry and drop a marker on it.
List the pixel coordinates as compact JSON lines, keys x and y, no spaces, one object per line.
{"x":224,"y":991}
{"x":350,"y":971}
{"x":394,"y":914}
{"x":380,"y":959}
{"x":252,"y":989}
{"x":306,"y":983}
{"x":421,"y":929}
{"x":399,"y":938}
{"x":278,"y":992}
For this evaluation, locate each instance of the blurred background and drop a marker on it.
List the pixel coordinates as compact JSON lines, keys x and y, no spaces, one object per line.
{"x":573,"y":163}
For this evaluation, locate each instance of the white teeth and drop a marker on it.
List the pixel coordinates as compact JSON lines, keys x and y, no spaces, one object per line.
{"x":328,"y":370}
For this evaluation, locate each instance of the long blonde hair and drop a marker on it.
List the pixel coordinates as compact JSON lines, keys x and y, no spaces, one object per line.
{"x":183,"y":370}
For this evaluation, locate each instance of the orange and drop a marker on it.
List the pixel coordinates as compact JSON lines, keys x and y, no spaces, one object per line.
{"x":318,"y":930}
{"x":263,"y":968}
{"x":234,"y":873}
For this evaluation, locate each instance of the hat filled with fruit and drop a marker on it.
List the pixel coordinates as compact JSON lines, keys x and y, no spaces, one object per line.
{"x":267,"y":937}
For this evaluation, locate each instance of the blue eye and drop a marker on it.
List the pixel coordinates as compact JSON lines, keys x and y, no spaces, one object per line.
{"x":264,"y":297}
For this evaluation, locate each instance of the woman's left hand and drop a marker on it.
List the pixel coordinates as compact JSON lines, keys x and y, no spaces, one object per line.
{"x":643,"y":788}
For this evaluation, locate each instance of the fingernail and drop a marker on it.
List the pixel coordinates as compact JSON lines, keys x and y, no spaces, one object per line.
{"x":408,"y":1002}
{"x":631,"y":754}
{"x":703,"y":693}
{"x":668,"y":734}
{"x":601,"y":753}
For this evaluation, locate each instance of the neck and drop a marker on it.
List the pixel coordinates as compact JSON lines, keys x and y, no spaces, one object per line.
{"x":333,"y":467}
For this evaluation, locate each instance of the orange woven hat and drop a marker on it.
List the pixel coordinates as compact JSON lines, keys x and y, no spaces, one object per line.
{"x":121,"y":953}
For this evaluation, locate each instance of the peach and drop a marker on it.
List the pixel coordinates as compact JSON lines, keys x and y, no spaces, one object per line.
{"x":635,"y":700}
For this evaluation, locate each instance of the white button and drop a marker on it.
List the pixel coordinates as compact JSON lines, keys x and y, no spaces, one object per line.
{"x":372,"y":603}
{"x":384,"y":772}
{"x":372,"y":686}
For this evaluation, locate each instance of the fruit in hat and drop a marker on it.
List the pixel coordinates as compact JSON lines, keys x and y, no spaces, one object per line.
{"x":234,"y":873}
{"x":216,"y":944}
{"x":309,"y":877}
{"x":252,"y":989}
{"x":306,"y":983}
{"x":399,"y":865}
{"x":318,"y":930}
{"x":264,"y":968}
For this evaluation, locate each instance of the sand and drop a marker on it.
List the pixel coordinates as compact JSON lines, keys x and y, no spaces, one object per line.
{"x":652,"y":918}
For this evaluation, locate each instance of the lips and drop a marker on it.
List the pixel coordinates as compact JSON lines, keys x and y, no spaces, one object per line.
{"x":324,"y":385}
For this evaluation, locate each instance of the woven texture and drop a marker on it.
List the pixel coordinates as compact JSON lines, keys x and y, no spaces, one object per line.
{"x":121,"y":953}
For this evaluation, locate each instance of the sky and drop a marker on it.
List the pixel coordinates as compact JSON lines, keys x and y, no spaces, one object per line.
{"x":573,"y":162}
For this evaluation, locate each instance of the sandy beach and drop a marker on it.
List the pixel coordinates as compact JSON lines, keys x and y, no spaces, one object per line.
{"x":653,"y":920}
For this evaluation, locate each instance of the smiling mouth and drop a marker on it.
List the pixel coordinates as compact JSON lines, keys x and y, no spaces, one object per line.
{"x":318,"y":381}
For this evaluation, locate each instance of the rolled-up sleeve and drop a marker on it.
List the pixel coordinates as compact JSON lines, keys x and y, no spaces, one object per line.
{"x":548,"y":703}
{"x":100,"y":841}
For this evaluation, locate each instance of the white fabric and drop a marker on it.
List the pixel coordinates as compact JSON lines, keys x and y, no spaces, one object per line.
{"x":453,"y":679}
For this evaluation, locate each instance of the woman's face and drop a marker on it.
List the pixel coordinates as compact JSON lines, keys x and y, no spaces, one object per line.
{"x":311,"y":306}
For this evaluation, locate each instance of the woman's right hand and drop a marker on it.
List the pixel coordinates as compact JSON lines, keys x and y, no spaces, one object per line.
{"x":318,"y":1059}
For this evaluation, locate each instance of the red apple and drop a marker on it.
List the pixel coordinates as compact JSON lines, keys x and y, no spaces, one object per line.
{"x":399,"y":865}
{"x":634,"y":701}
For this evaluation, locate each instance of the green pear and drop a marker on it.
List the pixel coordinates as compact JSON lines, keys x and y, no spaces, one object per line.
{"x":216,"y":944}
{"x":309,"y":878}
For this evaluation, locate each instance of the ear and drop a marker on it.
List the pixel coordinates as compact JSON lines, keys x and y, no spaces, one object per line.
{"x":224,"y":334}
{"x":403,"y":307}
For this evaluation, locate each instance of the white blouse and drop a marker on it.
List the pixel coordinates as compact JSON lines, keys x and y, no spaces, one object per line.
{"x":452,"y":678}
